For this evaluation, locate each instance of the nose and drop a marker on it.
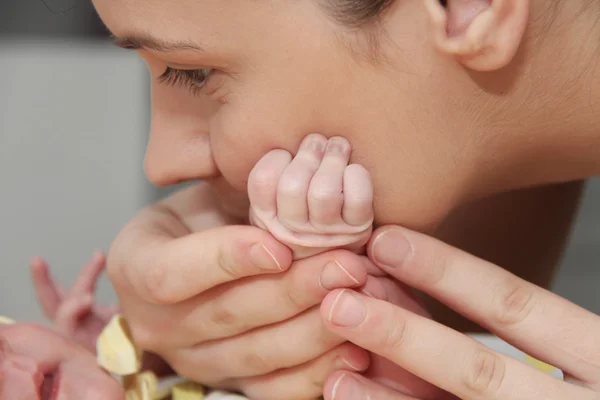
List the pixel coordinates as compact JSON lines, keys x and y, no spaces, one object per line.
{"x":177,"y":157}
{"x":179,"y":147}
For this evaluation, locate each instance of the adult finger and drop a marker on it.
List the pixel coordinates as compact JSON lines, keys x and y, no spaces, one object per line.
{"x":533,"y":319}
{"x":306,"y":381}
{"x":237,"y":308}
{"x":47,"y":291}
{"x":163,"y":270}
{"x":260,"y":351}
{"x":344,"y":385}
{"x":449,"y":360}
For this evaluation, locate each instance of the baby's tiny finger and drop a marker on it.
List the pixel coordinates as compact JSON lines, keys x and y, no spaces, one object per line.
{"x":71,"y":312}
{"x":48,"y":295}
{"x":294,"y":183}
{"x":325,"y":194}
{"x":88,"y":277}
{"x":263,"y":181}
{"x":358,"y":196}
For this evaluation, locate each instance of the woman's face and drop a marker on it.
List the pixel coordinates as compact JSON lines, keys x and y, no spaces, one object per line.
{"x":36,"y":363}
{"x":263,"y":74}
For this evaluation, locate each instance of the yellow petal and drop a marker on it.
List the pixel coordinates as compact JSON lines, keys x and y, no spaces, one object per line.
{"x":187,"y":391}
{"x":539,"y":364}
{"x":6,"y":321}
{"x":116,"y":350}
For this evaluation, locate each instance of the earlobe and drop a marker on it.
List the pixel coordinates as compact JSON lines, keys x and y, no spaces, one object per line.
{"x":483,"y":35}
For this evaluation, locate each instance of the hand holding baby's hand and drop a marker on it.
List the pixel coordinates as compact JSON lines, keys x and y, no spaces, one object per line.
{"x":314,"y":201}
{"x":74,"y":312}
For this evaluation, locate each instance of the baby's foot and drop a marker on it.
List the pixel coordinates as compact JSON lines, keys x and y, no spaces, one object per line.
{"x":74,"y":312}
{"x":314,"y":201}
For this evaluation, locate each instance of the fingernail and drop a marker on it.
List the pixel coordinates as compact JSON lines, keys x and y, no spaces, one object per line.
{"x":391,"y":248}
{"x":348,"y":388}
{"x":334,"y":276}
{"x":347,"y":310}
{"x":349,"y":364}
{"x":263,"y":258}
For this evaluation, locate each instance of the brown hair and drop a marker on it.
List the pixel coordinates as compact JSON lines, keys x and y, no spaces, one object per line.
{"x":357,"y":13}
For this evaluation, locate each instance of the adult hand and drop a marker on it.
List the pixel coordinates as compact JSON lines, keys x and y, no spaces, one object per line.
{"x":224,"y":305}
{"x":538,"y":322}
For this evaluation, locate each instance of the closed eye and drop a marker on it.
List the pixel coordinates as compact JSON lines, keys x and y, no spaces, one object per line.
{"x":193,"y":79}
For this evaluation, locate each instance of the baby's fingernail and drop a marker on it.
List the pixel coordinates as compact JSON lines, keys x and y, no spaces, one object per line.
{"x":348,"y":310}
{"x":348,"y":388}
{"x":391,"y":248}
{"x":335,"y":276}
{"x":263,"y":258}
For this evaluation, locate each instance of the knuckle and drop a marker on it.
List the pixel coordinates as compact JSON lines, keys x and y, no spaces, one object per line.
{"x":322,"y":194}
{"x":295,"y":299}
{"x":291,"y":187}
{"x":484,"y":374}
{"x":262,"y":179}
{"x":227,"y":263}
{"x":358,"y":202}
{"x":155,"y":282}
{"x":222,"y":315}
{"x":515,"y":304}
{"x":210,"y":376}
{"x":429,"y":266}
{"x":315,"y":383}
{"x":256,"y":362}
{"x":395,"y":335}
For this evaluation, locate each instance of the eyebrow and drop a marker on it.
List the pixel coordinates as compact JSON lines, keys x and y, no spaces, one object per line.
{"x":141,"y":41}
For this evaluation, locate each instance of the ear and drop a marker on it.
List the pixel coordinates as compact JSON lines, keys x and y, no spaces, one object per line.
{"x":484,"y":35}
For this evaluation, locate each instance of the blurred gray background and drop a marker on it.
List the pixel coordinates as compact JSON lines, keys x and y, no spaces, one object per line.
{"x":73,"y":123}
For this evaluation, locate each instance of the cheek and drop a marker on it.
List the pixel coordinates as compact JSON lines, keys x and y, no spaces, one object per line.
{"x":82,"y":379}
{"x":242,"y":134}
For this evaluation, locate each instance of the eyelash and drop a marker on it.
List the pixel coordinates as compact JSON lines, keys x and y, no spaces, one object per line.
{"x":194,"y":80}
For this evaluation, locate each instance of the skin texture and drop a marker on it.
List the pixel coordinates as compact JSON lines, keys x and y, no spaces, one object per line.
{"x":437,"y":127}
{"x":38,"y":363}
{"x":516,"y":311}
{"x":315,"y":201}
{"x":74,"y":313}
{"x":242,"y":112}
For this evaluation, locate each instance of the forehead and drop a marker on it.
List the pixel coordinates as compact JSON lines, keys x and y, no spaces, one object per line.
{"x":171,"y":18}
{"x":182,"y":20}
